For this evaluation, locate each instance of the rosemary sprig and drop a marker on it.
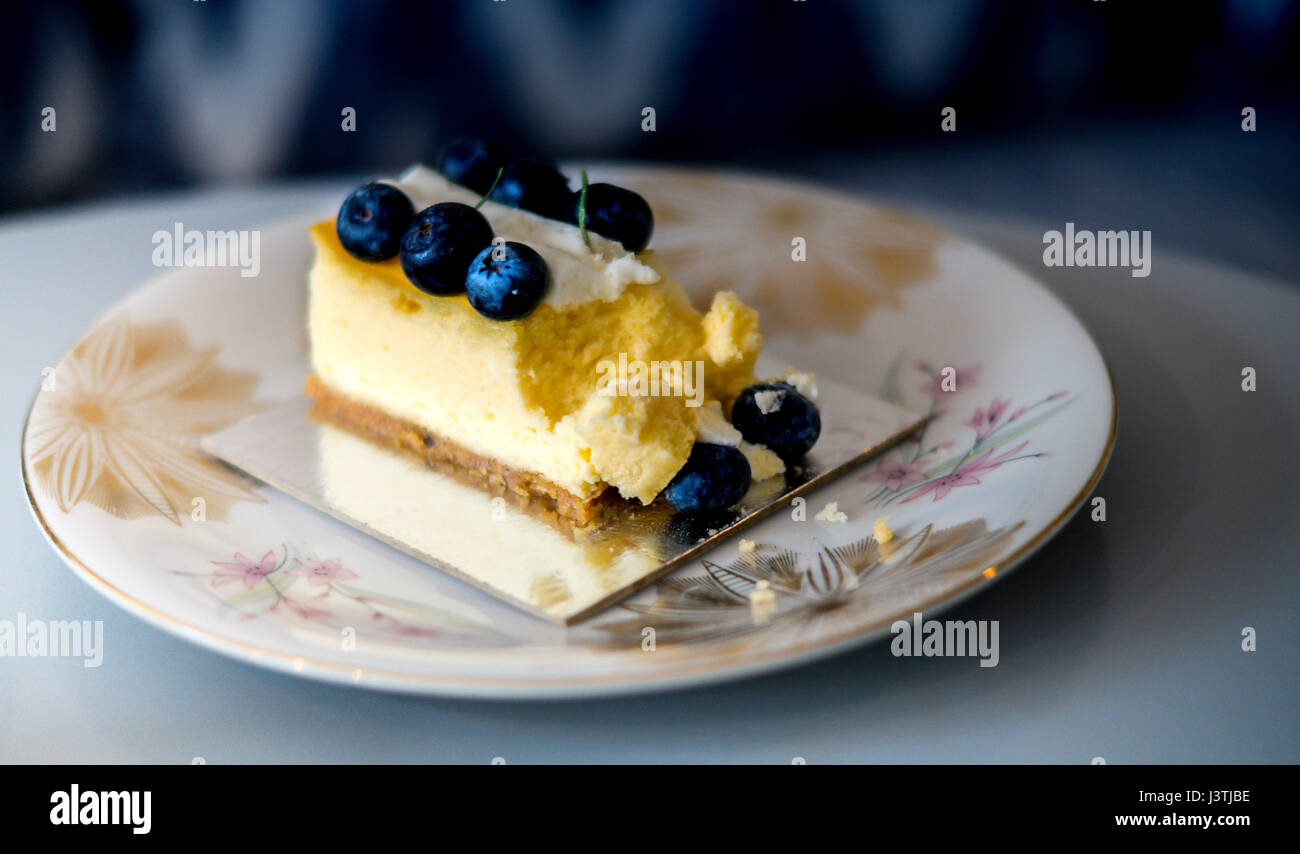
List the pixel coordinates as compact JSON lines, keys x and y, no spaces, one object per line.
{"x":582,"y":211}
{"x":495,"y":181}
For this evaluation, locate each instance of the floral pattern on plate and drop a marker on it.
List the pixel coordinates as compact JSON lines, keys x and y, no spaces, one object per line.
{"x":118,"y":422}
{"x":780,"y":593}
{"x":913,"y":470}
{"x":321,"y":593}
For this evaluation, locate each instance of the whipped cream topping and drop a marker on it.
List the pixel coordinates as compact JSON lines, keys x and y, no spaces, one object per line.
{"x":803,"y":381}
{"x":712,"y":427}
{"x":578,"y":274}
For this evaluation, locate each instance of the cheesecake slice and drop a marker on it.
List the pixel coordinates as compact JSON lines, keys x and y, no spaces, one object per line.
{"x":593,"y":400}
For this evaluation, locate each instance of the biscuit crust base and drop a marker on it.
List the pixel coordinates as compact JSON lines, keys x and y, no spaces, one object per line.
{"x":525,"y":487}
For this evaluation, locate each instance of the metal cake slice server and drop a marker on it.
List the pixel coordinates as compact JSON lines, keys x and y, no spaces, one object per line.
{"x":515,"y":552}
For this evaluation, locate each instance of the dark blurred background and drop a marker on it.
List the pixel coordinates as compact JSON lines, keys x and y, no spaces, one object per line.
{"x":1111,"y":113}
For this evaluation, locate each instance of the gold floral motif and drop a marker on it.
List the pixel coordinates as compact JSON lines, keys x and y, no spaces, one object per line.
{"x":119,"y":428}
{"x":719,"y":233}
{"x":857,"y":584}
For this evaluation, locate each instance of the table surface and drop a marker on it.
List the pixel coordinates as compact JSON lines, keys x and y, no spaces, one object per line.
{"x":1120,"y":639}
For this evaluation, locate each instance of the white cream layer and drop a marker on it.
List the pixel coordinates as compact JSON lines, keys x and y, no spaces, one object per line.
{"x":578,"y":274}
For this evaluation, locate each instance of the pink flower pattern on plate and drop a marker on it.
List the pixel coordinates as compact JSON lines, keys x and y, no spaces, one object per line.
{"x":322,"y":572}
{"x":318,"y":591}
{"x":986,"y":421}
{"x":894,"y":475}
{"x":916,"y":468}
{"x":243,"y":569}
{"x":966,"y":474}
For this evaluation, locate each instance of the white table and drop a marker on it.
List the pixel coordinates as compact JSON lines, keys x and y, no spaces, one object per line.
{"x":1120,"y":639}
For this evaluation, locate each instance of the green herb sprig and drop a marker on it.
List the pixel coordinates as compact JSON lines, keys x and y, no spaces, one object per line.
{"x":582,"y":211}
{"x":495,"y":181}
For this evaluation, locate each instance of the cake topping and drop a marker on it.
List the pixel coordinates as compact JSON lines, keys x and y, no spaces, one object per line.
{"x":506,"y":281}
{"x":618,"y":214}
{"x":440,"y":244}
{"x":715,"y":477}
{"x":372,"y":220}
{"x":579,"y":273}
{"x":448,"y":248}
{"x":767,"y":401}
{"x":613,"y":212}
{"x":472,"y":164}
{"x":803,"y":381}
{"x":535,"y":187}
{"x":580,"y":210}
{"x":776,"y":415}
{"x":712,"y":427}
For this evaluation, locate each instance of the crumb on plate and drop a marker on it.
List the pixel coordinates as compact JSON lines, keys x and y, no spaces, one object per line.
{"x":831,"y":513}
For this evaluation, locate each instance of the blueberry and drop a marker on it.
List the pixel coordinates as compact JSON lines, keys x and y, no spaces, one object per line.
{"x":789,"y":426}
{"x":506,"y":281}
{"x":714,"y":478}
{"x":440,"y":244}
{"x":618,"y":214}
{"x":372,"y":220}
{"x":536,"y":187}
{"x":472,"y":164}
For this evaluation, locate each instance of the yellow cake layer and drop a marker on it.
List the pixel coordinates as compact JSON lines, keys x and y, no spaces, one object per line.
{"x":525,"y":392}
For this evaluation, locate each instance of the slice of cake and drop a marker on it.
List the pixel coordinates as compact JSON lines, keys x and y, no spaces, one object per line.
{"x":536,"y":353}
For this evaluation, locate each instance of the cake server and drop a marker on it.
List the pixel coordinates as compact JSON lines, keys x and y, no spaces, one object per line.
{"x":518,"y":553}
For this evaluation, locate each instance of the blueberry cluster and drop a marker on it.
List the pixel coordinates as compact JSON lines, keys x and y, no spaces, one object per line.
{"x":445,"y":249}
{"x":716,"y":477}
{"x":449,"y":248}
{"x":610,"y":211}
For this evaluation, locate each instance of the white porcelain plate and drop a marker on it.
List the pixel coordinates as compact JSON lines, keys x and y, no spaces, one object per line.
{"x":1025,"y":421}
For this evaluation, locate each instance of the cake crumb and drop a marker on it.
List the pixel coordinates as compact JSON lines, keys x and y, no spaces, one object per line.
{"x":803,"y":381}
{"x":882,"y":532}
{"x":762,"y":601}
{"x":747,"y":547}
{"x":831,"y":513}
{"x":763,"y":462}
{"x":767,"y":401}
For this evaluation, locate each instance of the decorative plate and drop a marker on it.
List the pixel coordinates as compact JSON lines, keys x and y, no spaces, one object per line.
{"x":1024,"y":424}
